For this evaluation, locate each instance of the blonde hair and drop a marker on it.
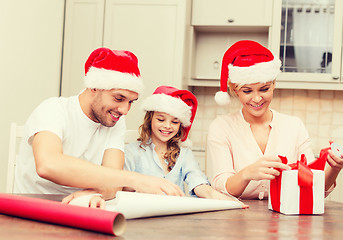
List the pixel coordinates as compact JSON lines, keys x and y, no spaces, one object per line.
{"x":173,"y":148}
{"x":234,"y":87}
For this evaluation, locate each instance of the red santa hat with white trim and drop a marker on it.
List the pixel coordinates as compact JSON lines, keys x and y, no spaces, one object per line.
{"x":108,"y":69}
{"x":246,"y":62}
{"x":181,"y":104}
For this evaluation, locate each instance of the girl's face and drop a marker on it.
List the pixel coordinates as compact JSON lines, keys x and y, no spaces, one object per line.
{"x":256,"y":99}
{"x":164,"y":127}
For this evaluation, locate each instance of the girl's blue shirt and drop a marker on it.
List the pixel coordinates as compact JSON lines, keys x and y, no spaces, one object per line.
{"x":145,"y":160}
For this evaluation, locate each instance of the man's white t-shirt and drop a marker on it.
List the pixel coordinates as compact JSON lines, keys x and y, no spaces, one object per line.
{"x":81,"y":138}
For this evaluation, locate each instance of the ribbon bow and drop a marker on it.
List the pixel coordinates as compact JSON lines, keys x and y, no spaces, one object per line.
{"x":305,"y":181}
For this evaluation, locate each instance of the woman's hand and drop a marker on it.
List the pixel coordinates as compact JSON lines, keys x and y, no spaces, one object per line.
{"x":334,"y":161}
{"x":264,"y":169}
{"x":331,"y":172}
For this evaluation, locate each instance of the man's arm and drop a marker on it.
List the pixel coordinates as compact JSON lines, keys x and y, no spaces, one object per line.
{"x":113,"y":158}
{"x":62,"y":169}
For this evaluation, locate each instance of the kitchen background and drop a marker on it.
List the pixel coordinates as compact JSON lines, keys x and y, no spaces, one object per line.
{"x":44,"y":45}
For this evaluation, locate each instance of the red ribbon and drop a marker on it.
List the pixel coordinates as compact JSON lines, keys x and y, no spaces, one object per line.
{"x":305,"y":182}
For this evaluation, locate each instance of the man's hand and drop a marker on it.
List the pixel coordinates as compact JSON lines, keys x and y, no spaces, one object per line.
{"x":95,"y":202}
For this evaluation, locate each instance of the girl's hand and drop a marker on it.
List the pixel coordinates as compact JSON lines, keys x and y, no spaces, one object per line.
{"x":334,"y":161}
{"x":264,"y":169}
{"x":156,"y":185}
{"x":207,"y":191}
{"x":223,"y":196}
{"x":96,"y":201}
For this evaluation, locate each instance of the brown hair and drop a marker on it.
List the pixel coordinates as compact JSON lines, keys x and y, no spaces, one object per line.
{"x":173,"y":148}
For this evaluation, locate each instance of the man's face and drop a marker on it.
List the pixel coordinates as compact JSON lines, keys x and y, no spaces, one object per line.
{"x":109,"y":105}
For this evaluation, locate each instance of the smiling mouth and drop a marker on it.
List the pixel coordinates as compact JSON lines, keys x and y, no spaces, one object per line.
{"x":115,"y":116}
{"x":165,"y":132}
{"x":257,"y":106}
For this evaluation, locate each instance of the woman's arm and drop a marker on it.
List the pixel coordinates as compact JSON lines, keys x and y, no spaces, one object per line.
{"x":263,"y":169}
{"x":335,"y":164}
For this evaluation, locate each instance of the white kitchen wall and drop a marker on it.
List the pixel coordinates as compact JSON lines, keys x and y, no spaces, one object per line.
{"x":30,"y":62}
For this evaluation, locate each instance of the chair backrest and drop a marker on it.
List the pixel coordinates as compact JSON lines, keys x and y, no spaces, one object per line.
{"x":16,"y":133}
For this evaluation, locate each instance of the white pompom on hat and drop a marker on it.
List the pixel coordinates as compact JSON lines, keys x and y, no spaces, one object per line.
{"x":181,"y":104}
{"x":108,"y":69}
{"x":246,"y":62}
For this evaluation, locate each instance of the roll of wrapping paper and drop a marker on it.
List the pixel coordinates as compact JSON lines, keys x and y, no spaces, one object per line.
{"x":98,"y":220}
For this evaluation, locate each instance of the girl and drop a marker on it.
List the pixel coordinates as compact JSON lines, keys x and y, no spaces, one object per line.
{"x":243,"y":147}
{"x":159,"y":152}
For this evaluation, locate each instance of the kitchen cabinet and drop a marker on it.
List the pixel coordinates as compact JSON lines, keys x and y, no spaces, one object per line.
{"x":231,"y":13}
{"x":310,"y":44}
{"x":305,"y":34}
{"x":216,"y":25}
{"x":83,"y":32}
{"x":154,"y":30}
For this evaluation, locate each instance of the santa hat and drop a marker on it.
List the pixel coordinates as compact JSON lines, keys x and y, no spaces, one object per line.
{"x":108,"y":69}
{"x":246,"y":62}
{"x":181,"y":104}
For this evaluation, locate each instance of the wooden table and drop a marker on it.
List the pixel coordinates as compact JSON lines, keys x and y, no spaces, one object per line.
{"x":256,"y":222}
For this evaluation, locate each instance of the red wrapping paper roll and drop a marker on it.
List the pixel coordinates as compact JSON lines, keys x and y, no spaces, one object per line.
{"x":59,"y":213}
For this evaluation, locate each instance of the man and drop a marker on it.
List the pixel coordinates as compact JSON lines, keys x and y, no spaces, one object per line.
{"x":77,"y":143}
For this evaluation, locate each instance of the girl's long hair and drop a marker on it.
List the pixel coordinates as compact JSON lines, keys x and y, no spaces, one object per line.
{"x":173,"y":148}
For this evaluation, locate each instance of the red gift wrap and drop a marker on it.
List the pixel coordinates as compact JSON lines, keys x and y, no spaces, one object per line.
{"x":63,"y":214}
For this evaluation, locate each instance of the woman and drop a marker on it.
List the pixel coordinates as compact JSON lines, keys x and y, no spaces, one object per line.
{"x":243,"y":147}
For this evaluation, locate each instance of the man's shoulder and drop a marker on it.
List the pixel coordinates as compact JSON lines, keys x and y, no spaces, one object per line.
{"x":54,"y":108}
{"x":56,"y":101}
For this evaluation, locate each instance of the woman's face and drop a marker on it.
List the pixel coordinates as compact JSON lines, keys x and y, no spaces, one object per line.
{"x":164,"y":127}
{"x":256,"y":99}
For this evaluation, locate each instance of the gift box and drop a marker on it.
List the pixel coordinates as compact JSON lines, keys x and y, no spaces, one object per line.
{"x":300,"y":190}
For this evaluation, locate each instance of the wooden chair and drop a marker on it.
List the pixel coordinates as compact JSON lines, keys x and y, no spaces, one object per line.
{"x":16,"y":133}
